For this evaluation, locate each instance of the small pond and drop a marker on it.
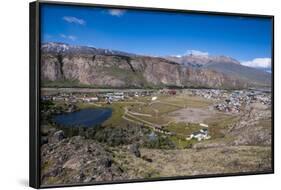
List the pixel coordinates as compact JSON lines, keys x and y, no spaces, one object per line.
{"x":84,"y":118}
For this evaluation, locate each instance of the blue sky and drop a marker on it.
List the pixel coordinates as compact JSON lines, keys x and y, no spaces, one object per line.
{"x":158,"y":33}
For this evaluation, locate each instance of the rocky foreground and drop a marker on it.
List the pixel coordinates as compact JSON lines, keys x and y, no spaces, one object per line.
{"x":76,"y":160}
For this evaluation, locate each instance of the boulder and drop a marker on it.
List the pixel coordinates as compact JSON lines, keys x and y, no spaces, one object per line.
{"x":58,"y":136}
{"x":106,"y":162}
{"x":73,"y":164}
{"x":134,"y":149}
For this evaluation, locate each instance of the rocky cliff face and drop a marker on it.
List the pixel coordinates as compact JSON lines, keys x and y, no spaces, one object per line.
{"x":105,"y":68}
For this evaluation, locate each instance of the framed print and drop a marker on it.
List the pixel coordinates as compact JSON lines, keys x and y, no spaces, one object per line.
{"x":129,"y":94}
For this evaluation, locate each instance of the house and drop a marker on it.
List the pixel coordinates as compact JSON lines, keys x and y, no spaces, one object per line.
{"x":58,"y":98}
{"x":118,"y":96}
{"x":199,"y":135}
{"x":90,"y":99}
{"x":172,"y":92}
{"x":109,"y":97}
{"x":205,"y":131}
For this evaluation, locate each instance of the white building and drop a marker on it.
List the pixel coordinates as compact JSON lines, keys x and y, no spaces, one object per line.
{"x":114,"y":96}
{"x":90,"y":99}
{"x":199,"y":135}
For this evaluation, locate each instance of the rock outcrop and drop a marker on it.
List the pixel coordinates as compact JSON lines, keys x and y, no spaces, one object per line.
{"x":76,"y":160}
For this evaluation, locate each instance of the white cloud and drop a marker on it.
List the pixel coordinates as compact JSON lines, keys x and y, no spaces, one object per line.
{"x":70,"y":37}
{"x":116,"y":12}
{"x":178,"y":56}
{"x":196,"y":52}
{"x":258,"y":63}
{"x":74,"y":20}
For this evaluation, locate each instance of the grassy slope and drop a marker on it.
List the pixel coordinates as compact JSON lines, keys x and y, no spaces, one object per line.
{"x":194,"y":162}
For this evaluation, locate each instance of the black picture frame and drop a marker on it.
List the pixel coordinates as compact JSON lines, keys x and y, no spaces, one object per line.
{"x":34,"y":109}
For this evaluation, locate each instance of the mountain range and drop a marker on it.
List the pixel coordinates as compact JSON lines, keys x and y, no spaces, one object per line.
{"x":64,"y":65}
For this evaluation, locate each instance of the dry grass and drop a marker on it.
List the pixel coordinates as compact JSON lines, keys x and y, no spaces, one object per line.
{"x":166,"y":163}
{"x":219,"y":123}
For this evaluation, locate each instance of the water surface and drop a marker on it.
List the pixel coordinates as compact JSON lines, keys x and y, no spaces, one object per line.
{"x":84,"y":118}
